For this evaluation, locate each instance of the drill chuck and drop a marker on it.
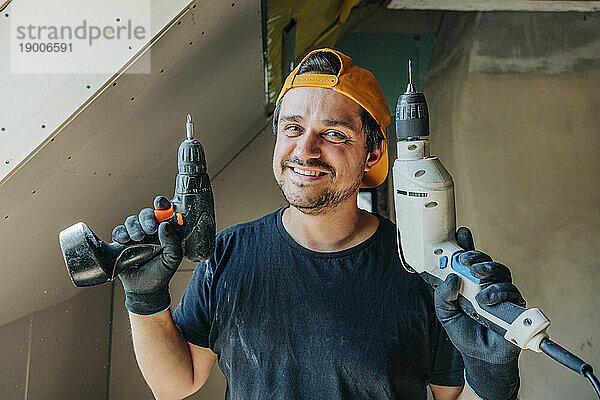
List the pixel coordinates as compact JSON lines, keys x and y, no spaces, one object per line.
{"x":412,"y":117}
{"x":191,"y":165}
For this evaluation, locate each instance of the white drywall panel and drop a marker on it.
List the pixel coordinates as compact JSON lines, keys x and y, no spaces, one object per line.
{"x":34,"y":105}
{"x":15,"y":344}
{"x":120,"y":150}
{"x":246,"y":190}
{"x":69,"y":349}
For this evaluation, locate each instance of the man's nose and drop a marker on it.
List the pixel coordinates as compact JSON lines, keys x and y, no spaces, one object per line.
{"x":308,"y":145}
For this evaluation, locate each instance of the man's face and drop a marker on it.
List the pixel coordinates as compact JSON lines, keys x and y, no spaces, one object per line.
{"x":320,"y":154}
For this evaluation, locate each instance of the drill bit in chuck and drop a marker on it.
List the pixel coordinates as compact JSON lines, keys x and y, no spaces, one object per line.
{"x":412,"y":117}
{"x":189,"y":127}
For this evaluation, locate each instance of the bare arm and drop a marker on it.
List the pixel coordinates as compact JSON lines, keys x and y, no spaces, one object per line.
{"x":452,"y":393}
{"x":468,"y":394}
{"x":446,"y":392}
{"x":172,"y":367}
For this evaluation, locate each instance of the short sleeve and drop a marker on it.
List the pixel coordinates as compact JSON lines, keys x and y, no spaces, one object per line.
{"x":447,"y":368}
{"x":192,"y":314}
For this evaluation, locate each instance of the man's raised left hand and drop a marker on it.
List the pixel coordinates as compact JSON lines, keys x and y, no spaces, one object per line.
{"x":491,"y":362}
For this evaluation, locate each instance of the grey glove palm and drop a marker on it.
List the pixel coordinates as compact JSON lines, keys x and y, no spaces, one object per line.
{"x":491,"y":362}
{"x":147,"y":286}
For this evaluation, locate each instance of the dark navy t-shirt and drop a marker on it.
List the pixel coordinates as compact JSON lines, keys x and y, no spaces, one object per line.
{"x":290,"y":323}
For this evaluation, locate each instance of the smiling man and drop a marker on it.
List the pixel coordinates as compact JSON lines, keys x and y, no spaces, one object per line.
{"x":311,"y":301}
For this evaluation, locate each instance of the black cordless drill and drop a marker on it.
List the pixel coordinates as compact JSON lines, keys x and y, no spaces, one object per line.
{"x":91,"y":261}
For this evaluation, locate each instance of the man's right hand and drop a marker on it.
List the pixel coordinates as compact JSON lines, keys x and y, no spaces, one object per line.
{"x":147,"y":286}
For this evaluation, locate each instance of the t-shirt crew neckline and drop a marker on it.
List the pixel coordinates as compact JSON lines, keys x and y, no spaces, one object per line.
{"x":336,"y":254}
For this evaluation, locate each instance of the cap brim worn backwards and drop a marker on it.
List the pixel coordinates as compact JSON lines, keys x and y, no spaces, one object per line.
{"x":359,"y":85}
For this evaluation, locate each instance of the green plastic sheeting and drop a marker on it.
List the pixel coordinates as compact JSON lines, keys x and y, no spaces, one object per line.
{"x":386,"y":56}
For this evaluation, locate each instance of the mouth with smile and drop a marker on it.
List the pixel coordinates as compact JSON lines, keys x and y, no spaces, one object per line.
{"x":306,"y":174}
{"x":307,"y":171}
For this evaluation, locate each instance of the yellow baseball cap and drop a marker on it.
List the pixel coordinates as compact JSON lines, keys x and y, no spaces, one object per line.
{"x":359,"y":85}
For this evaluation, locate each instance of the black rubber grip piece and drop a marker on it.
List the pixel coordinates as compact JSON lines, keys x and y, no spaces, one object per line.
{"x":468,"y":309}
{"x":432,"y":280}
{"x":506,"y":311}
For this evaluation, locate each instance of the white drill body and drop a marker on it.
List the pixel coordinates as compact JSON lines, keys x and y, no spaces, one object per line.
{"x":424,"y":201}
{"x":426,"y":224}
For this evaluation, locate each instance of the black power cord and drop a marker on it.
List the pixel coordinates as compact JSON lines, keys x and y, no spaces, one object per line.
{"x":590,"y":375}
{"x":571,"y":361}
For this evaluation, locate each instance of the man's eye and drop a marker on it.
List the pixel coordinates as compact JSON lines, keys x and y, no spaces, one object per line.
{"x":335,"y":136}
{"x":292,"y":129}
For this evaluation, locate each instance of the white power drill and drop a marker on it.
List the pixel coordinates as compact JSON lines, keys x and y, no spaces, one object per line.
{"x":426,"y":229}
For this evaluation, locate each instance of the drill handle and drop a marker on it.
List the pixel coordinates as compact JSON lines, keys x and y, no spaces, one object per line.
{"x":134,"y":254}
{"x":517,"y":325}
{"x":196,"y":230}
{"x":524,"y":327}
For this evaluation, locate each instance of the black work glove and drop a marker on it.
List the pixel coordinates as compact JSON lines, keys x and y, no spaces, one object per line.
{"x":491,"y":362}
{"x":147,"y":286}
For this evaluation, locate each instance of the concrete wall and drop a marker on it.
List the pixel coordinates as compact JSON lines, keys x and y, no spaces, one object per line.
{"x":515,"y":117}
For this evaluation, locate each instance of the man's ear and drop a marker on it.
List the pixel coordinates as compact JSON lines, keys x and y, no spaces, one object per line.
{"x":374,"y":156}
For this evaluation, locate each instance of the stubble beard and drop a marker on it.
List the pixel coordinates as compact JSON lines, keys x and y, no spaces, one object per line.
{"x":325,"y":203}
